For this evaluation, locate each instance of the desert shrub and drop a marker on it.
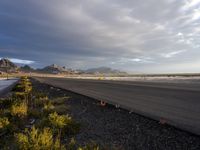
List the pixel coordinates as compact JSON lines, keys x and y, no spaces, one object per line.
{"x":39,"y":102}
{"x":72,"y":144}
{"x":4,"y":122}
{"x":19,"y":110}
{"x":22,"y":90}
{"x":39,"y":99}
{"x":24,"y":78}
{"x":48,"y":106}
{"x":27,"y":88}
{"x":36,"y":139}
{"x":39,"y":95}
{"x":22,"y":141}
{"x":17,"y":87}
{"x":19,"y":96}
{"x":58,"y":145}
{"x":64,"y":123}
{"x":59,"y":121}
{"x":23,"y":86}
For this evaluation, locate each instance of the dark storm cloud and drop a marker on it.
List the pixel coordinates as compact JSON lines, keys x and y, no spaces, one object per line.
{"x":129,"y":35}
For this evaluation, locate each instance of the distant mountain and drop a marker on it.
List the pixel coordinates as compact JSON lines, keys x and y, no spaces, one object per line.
{"x":103,"y":70}
{"x":53,"y":69}
{"x":56,"y":69}
{"x":26,"y":68}
{"x":6,"y":63}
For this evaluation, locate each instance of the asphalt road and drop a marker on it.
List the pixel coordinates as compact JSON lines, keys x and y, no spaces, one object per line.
{"x":6,"y":85}
{"x":176,"y":103}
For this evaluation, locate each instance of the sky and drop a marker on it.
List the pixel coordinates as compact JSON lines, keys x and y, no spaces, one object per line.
{"x":152,"y":36}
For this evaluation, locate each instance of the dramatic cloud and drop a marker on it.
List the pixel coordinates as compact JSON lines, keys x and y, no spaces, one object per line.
{"x":21,"y":61}
{"x":136,"y":36}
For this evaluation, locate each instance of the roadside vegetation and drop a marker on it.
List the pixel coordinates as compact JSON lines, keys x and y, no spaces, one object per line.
{"x":29,"y":120}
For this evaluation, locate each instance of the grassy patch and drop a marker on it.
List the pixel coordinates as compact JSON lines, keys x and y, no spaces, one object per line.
{"x":29,"y":120}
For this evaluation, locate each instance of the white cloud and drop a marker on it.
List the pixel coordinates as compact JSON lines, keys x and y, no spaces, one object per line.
{"x":136,"y":59}
{"x":196,"y":14}
{"x":160,"y":27}
{"x":124,"y":61}
{"x":180,"y":34}
{"x":190,"y":4}
{"x":21,"y":61}
{"x":172,"y":54}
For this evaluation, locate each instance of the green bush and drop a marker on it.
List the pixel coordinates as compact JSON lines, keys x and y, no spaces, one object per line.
{"x":4,"y":122}
{"x":36,"y":139}
{"x":19,"y":96}
{"x":58,"y":145}
{"x":72,"y":144}
{"x":19,"y":110}
{"x":39,"y":102}
{"x":40,"y":95}
{"x":59,"y":121}
{"x":48,"y":106}
{"x":23,"y":86}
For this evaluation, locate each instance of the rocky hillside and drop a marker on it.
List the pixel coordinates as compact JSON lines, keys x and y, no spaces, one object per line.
{"x":53,"y":69}
{"x":7,"y":64}
{"x":26,"y":68}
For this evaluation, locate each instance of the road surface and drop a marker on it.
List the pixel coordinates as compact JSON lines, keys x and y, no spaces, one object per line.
{"x":176,"y":103}
{"x":5,"y":84}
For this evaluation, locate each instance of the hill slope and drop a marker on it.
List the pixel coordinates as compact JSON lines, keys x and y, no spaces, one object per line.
{"x":7,"y":65}
{"x":53,"y":69}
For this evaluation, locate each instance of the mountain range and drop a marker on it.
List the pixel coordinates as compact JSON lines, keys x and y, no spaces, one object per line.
{"x":56,"y":69}
{"x":53,"y":69}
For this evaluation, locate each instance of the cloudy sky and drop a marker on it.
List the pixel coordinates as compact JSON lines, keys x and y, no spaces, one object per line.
{"x":152,"y":36}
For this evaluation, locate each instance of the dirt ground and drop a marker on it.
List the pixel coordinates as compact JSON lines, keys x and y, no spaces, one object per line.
{"x":118,"y":128}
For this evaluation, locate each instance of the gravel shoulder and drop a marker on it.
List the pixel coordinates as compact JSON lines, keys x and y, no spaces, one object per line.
{"x":118,"y":128}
